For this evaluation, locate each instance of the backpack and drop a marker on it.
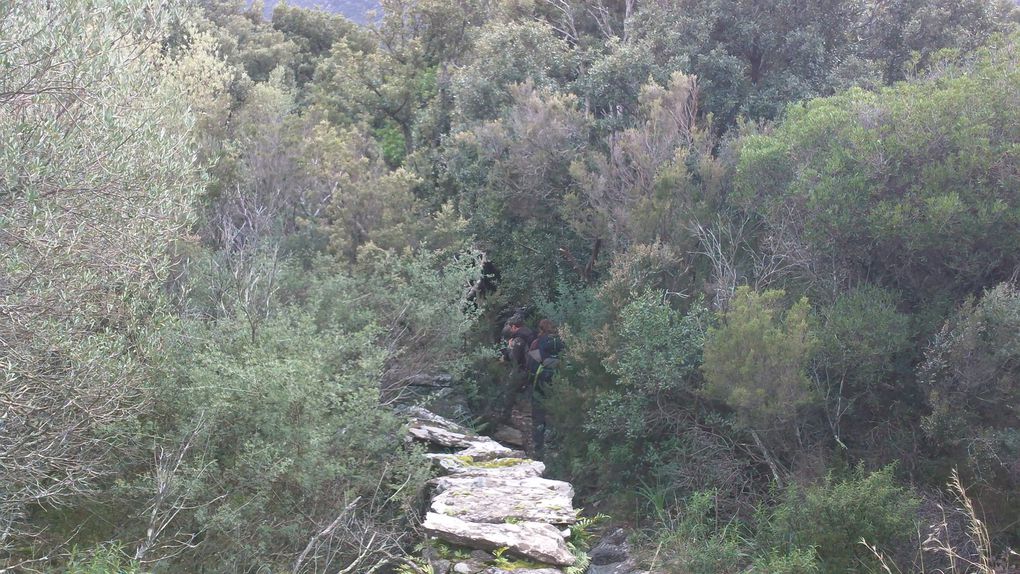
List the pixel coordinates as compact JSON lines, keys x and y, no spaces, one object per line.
{"x":548,"y":362}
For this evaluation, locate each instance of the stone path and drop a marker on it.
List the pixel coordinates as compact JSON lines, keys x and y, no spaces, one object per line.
{"x":491,"y":497}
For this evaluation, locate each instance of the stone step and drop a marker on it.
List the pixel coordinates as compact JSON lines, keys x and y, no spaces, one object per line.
{"x":496,"y":504}
{"x":492,"y":499}
{"x":458,"y":465}
{"x":532,"y":540}
{"x":557,"y":486}
{"x":477,"y":447}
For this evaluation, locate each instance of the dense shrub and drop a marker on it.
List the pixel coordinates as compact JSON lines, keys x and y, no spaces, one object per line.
{"x":907,"y":187}
{"x":970,"y":376}
{"x":863,"y":356}
{"x":97,"y":182}
{"x":833,"y":517}
{"x":756,"y":360}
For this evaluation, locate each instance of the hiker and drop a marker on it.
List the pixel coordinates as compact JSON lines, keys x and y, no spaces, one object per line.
{"x":518,"y":340}
{"x":543,"y":358}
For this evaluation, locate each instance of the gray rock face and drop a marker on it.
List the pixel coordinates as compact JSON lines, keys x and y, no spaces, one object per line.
{"x":532,"y":540}
{"x":420,"y":415}
{"x":510,"y":500}
{"x":437,"y":434}
{"x":469,"y":567}
{"x":509,"y":435}
{"x":611,"y":548}
{"x":543,"y":484}
{"x":506,"y":468}
{"x":435,"y":429}
{"x":612,"y":555}
{"x":627,"y":567}
{"x":486,"y":486}
{"x":489,"y":450}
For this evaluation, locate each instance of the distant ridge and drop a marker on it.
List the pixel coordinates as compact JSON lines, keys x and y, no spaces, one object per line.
{"x":355,"y":10}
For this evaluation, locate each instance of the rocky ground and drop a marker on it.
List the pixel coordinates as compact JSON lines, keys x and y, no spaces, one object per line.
{"x":496,"y":512}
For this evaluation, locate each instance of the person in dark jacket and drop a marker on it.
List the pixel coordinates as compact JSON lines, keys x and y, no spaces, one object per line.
{"x":518,"y":340}
{"x":543,"y":358}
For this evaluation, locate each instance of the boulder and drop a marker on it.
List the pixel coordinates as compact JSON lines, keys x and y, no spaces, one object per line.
{"x":489,"y":449}
{"x":628,"y":566}
{"x":532,"y":540}
{"x":425,"y":416}
{"x":611,"y":555}
{"x":436,"y":434}
{"x":611,"y":548}
{"x":446,"y":434}
{"x":510,"y":435}
{"x":469,"y":567}
{"x":511,"y":500}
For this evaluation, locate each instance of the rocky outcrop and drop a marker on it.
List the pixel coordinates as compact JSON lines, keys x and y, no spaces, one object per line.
{"x":491,"y":497}
{"x":557,"y":487}
{"x":474,"y":446}
{"x":506,"y":468}
{"x":533,"y":540}
{"x":504,"y":500}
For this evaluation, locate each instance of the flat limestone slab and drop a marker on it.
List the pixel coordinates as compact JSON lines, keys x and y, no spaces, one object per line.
{"x":496,"y":504}
{"x":536,"y":541}
{"x":506,"y":468}
{"x":418,"y":414}
{"x":531,"y":482}
{"x":442,"y":436}
{"x":488,"y":450}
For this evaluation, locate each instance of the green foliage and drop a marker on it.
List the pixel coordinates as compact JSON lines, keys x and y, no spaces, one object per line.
{"x":797,"y":561}
{"x":903,"y":186}
{"x":834,"y":516}
{"x":755,"y":360}
{"x":208,"y":382}
{"x":970,"y":368}
{"x":690,"y":541}
{"x":313,"y":31}
{"x":864,"y":347}
{"x":581,"y":531}
{"x":289,"y":421}
{"x":752,"y":62}
{"x":505,"y":54}
{"x":392,"y":144}
{"x":639,"y":188}
{"x":860,"y":337}
{"x":97,"y":181}
{"x":654,"y":360}
{"x":512,"y":174}
{"x":970,"y":378}
{"x":107,"y":559}
{"x":659,"y":347}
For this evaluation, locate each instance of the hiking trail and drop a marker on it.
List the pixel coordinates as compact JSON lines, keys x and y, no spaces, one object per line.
{"x":491,"y":497}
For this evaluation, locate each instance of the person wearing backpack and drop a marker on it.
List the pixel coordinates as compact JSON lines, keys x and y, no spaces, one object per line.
{"x":543,"y":358}
{"x":518,"y":340}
